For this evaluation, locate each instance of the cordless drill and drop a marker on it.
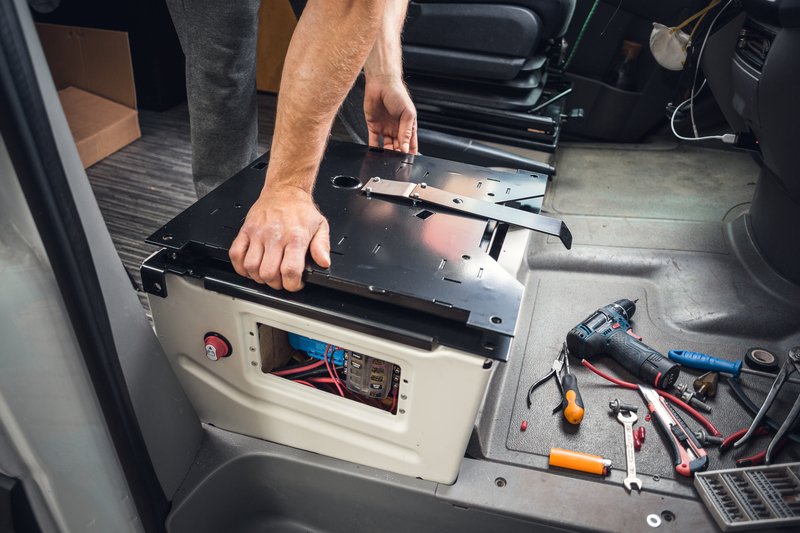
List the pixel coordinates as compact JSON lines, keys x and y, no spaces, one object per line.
{"x":608,"y":331}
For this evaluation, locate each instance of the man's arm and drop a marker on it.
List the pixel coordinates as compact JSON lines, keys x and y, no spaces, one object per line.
{"x":327,"y":51}
{"x":391,"y":116}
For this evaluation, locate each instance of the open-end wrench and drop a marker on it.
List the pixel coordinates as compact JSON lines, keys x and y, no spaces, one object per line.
{"x":628,"y":419}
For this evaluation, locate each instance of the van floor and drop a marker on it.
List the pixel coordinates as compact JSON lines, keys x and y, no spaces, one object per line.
{"x":662,"y":222}
{"x":666,"y":224}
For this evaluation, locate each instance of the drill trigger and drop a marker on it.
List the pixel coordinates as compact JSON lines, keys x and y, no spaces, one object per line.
{"x":634,"y":335}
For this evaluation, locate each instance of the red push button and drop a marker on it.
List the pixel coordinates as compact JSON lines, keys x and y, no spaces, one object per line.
{"x":217,"y":346}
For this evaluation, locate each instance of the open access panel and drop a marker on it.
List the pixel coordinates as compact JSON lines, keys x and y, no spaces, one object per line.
{"x":382,"y":359}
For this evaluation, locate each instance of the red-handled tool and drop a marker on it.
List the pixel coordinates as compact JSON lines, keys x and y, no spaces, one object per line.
{"x":688,"y":455}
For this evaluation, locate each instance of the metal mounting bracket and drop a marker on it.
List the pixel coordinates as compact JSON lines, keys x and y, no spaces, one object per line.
{"x":421,"y":192}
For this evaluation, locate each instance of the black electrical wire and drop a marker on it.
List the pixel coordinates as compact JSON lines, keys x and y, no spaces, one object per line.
{"x":316,"y":372}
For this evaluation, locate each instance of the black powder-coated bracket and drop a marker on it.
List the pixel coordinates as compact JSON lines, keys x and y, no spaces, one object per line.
{"x":420,"y":274}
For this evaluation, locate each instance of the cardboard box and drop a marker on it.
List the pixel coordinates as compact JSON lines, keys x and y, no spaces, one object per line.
{"x":92,"y":71}
{"x":276,"y":23}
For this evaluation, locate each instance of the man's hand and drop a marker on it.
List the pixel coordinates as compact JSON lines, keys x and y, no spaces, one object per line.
{"x":279,"y":228}
{"x":390,"y":114}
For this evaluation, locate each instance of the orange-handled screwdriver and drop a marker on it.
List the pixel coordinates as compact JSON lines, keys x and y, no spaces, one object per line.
{"x":572,"y":403}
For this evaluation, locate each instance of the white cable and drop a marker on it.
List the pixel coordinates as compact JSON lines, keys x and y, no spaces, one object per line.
{"x":697,"y":67}
{"x":728,"y":138}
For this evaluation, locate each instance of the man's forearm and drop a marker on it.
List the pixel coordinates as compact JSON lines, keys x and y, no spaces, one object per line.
{"x":385,"y":58}
{"x":329,"y":47}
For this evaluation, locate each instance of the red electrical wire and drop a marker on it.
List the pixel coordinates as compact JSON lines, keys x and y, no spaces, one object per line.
{"x":680,"y":403}
{"x":333,"y":364}
{"x":304,"y":383}
{"x":394,"y":399}
{"x":297,"y":369}
{"x":330,"y":372}
{"x":321,"y":380}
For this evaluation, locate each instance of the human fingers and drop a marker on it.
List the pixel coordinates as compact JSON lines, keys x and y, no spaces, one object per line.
{"x":405,"y":128}
{"x":237,"y":252}
{"x":374,"y":138}
{"x":293,"y":264}
{"x":413,"y":147}
{"x":320,"y":246}
{"x":252,"y":260}
{"x":270,"y":269}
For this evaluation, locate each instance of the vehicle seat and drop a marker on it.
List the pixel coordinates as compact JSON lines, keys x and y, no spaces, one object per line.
{"x":482,"y":52}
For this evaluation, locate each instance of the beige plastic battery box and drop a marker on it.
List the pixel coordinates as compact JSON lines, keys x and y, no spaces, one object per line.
{"x":440,"y":390}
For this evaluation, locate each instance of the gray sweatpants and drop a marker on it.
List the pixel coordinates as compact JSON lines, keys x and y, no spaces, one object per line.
{"x":218,"y":38}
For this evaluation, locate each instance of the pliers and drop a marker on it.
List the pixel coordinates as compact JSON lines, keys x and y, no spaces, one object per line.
{"x":789,"y":367}
{"x":571,"y":401}
{"x":757,"y":458}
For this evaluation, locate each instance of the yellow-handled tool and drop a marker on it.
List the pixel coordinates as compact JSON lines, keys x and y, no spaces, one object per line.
{"x":571,"y":401}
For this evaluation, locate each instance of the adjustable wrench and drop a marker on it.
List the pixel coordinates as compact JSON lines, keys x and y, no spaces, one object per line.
{"x":628,"y":419}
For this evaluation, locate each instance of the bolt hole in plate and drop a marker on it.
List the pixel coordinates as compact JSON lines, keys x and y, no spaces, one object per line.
{"x":500,"y":482}
{"x":667,"y":516}
{"x":496,"y":320}
{"x":345,"y":182}
{"x":653,"y":520}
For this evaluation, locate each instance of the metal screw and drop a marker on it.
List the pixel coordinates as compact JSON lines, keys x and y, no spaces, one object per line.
{"x":690,"y":398}
{"x":402,"y":411}
{"x":403,"y":397}
{"x":423,"y":185}
{"x":376,"y":179}
{"x":616,"y":407}
{"x":704,"y":438}
{"x":415,"y":195}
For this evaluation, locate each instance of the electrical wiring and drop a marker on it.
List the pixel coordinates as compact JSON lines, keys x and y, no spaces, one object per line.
{"x":304,"y":383}
{"x":313,"y":373}
{"x":728,"y":138}
{"x":696,"y":70}
{"x":394,"y":399}
{"x":335,"y":373}
{"x":677,"y":401}
{"x":296,"y":369}
{"x":335,"y":380}
{"x":322,"y":380}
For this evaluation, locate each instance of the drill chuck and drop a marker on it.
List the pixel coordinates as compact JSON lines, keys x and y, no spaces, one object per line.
{"x":607,"y":331}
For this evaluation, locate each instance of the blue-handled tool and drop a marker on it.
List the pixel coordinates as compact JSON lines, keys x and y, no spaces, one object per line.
{"x":702,"y":361}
